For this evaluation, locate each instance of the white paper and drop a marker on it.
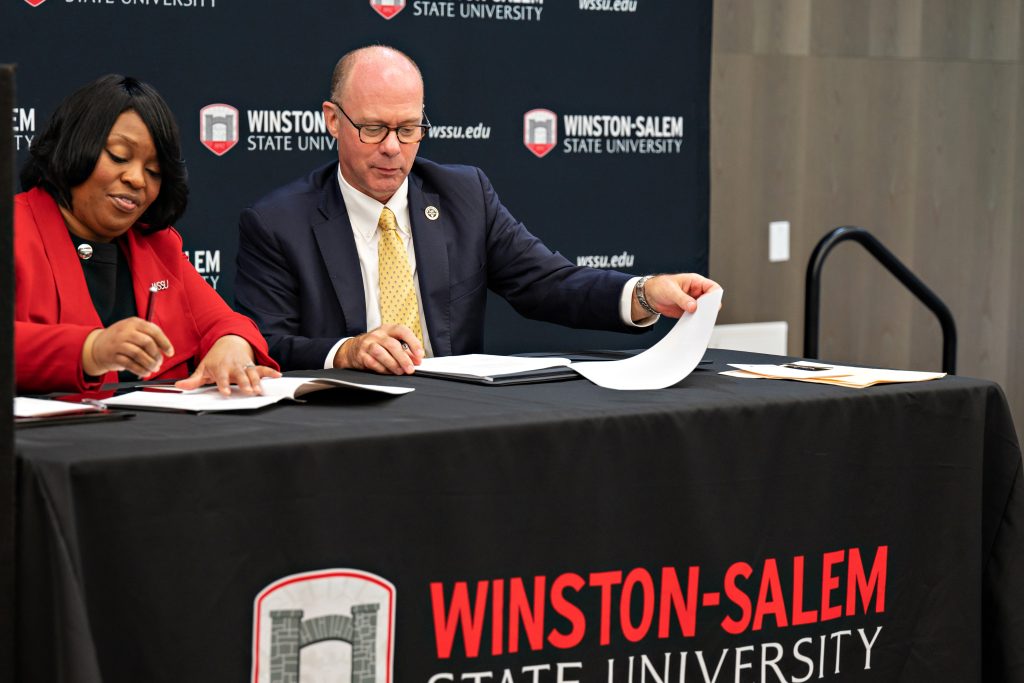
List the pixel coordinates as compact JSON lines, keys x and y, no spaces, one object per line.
{"x":742,"y":374}
{"x":667,"y":362}
{"x":41,"y":407}
{"x":294,"y":387}
{"x":837,"y":375}
{"x":483,"y":366}
{"x":208,"y":398}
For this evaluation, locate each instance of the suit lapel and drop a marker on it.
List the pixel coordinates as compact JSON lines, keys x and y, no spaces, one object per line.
{"x":431,"y":265}
{"x":75,"y":303}
{"x":338,"y":250}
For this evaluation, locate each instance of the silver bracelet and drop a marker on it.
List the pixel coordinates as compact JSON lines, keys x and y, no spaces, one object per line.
{"x":641,"y":295}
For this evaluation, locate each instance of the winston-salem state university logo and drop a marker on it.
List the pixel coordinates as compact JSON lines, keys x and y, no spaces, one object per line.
{"x":540,"y":131}
{"x":218,"y":127}
{"x":295,"y":614}
{"x":388,"y":8}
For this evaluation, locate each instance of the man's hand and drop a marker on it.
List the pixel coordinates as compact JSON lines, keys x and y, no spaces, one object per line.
{"x":229,"y":361}
{"x":389,"y":349}
{"x":673,"y":295}
{"x":130,"y":344}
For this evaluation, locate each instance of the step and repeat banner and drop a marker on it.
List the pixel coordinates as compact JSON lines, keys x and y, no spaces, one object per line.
{"x":590,"y":117}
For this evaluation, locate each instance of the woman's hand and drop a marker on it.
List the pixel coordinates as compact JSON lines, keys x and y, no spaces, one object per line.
{"x":131,"y":344}
{"x":229,"y":361}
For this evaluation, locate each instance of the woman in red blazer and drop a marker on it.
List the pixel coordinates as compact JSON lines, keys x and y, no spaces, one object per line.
{"x":103,"y":183}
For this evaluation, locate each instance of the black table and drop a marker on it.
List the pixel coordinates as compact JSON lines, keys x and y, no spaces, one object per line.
{"x":764,"y":530}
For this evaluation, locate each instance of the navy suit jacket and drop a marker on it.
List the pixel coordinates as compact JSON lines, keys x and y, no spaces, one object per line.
{"x":299,"y":276}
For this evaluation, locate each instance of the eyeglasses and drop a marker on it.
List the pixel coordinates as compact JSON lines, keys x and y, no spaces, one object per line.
{"x":375,"y":133}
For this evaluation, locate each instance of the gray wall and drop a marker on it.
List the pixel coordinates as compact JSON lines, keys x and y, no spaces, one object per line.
{"x":905,"y":117}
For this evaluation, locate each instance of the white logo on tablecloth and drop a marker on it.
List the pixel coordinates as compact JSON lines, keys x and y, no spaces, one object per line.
{"x":301,"y":610}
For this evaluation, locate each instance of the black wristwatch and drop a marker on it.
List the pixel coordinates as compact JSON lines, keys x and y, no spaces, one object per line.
{"x":641,"y":295}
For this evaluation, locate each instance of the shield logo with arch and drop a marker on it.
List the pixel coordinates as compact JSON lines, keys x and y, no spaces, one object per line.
{"x":540,"y":131}
{"x":333,"y":624}
{"x":387,"y":8}
{"x":218,"y":127}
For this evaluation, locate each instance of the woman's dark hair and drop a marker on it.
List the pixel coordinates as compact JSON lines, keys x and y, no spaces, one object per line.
{"x":65,"y":153}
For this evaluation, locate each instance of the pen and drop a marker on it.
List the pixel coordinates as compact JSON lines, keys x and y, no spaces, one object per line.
{"x":808,"y":367}
{"x":149,"y":304}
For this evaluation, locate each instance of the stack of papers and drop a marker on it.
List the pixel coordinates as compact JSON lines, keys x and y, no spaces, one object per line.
{"x":838,"y":375}
{"x":487,"y":369}
{"x":39,"y":412}
{"x":41,"y":407}
{"x":666,"y":363}
{"x":206,"y":399}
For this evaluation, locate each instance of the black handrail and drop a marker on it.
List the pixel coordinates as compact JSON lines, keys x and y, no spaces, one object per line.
{"x":812,"y":303}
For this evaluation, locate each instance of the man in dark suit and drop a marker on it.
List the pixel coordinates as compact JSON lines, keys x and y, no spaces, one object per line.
{"x":317,"y":265}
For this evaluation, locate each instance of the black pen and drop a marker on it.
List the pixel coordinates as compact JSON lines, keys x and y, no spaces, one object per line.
{"x":808,"y":367}
{"x":149,"y":304}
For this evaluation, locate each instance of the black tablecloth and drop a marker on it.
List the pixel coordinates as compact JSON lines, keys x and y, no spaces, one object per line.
{"x":765,"y":530}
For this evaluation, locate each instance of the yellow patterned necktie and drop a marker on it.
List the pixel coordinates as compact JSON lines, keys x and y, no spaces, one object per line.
{"x":397,"y":292}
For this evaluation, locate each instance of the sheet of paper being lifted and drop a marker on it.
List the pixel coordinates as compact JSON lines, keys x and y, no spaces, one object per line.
{"x":667,"y":362}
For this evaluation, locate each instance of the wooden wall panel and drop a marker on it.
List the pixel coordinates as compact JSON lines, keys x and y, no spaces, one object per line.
{"x":895,"y":28}
{"x":995,"y":30}
{"x":964,"y":198}
{"x":779,"y":27}
{"x":986,"y":30}
{"x":906,"y":118}
{"x":756,"y":124}
{"x":860,"y":173}
{"x":946,"y":29}
{"x":839,"y":28}
{"x":1014,"y":381}
{"x":732,"y":28}
{"x":782,"y":27}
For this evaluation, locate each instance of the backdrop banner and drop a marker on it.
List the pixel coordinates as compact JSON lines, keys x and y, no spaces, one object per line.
{"x":590,"y":117}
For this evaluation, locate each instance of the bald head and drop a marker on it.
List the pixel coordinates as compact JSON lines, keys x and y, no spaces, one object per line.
{"x":380,"y":87}
{"x":376,"y":63}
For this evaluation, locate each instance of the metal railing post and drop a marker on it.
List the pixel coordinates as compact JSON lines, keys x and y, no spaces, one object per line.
{"x":812,"y":300}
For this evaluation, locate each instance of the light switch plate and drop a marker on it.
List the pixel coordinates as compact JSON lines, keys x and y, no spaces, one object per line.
{"x":778,"y":241}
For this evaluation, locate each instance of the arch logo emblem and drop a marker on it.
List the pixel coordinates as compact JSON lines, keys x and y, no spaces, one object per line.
{"x":218,"y":128}
{"x":387,"y":8}
{"x":325,"y":623}
{"x":540,"y":131}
